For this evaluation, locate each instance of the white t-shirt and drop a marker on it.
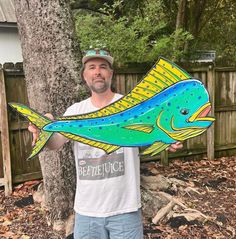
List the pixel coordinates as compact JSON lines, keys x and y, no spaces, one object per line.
{"x":106,"y":184}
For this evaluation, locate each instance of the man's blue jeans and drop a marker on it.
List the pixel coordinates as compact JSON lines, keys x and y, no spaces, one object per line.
{"x":123,"y":226}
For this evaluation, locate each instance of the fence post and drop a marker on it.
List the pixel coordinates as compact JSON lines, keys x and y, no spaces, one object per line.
{"x":211,"y":130}
{"x":5,"y":137}
{"x":164,"y":158}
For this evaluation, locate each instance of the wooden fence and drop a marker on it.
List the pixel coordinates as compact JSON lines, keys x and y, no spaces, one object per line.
{"x":220,"y":139}
{"x":13,"y":165}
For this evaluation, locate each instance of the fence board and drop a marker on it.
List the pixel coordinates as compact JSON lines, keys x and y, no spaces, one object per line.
{"x":5,"y":137}
{"x":20,"y":138}
{"x":1,"y":160}
{"x":211,"y":130}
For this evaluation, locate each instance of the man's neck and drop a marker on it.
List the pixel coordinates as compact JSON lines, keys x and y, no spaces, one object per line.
{"x":103,"y":99}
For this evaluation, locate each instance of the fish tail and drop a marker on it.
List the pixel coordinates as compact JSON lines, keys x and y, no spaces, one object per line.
{"x":37,"y":119}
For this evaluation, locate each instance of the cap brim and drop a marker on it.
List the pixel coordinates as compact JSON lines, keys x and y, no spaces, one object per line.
{"x":107,"y":58}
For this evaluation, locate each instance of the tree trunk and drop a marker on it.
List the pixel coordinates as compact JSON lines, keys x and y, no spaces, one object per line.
{"x":196,"y":13}
{"x":51,"y":64}
{"x":181,"y":26}
{"x":181,"y":15}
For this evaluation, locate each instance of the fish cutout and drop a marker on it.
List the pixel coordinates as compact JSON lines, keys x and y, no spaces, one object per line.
{"x":166,"y":106}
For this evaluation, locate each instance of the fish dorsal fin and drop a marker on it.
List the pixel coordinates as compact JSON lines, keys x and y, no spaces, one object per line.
{"x":108,"y":148}
{"x":146,"y":128}
{"x":162,"y":75}
{"x":155,"y":148}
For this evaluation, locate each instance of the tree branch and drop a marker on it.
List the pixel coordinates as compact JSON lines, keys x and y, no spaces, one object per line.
{"x":216,"y":9}
{"x":85,"y":6}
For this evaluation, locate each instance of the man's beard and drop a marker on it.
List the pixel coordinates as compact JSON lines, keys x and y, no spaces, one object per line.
{"x":101,"y":88}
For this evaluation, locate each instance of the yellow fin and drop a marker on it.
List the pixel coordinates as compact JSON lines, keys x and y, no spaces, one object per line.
{"x":185,"y":133}
{"x":40,"y":143}
{"x":108,"y":148}
{"x":180,"y":134}
{"x":146,"y":128}
{"x":39,"y":120}
{"x":155,"y":148}
{"x":162,"y":75}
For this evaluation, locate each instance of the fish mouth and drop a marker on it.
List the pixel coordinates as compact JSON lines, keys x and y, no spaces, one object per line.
{"x":201,"y":114}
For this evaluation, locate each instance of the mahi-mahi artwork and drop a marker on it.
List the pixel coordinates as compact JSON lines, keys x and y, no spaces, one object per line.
{"x":166,"y":106}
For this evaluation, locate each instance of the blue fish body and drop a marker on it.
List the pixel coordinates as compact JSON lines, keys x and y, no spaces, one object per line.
{"x":168,"y":106}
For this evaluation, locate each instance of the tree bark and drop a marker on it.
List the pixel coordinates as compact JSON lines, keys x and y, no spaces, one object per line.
{"x":181,"y":15}
{"x":197,"y":10}
{"x":51,"y":63}
{"x":181,"y":24}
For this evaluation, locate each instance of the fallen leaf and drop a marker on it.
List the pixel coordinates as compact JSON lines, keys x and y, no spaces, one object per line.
{"x":6,"y":223}
{"x":24,"y":237}
{"x":183,"y":227}
{"x":232,"y":230}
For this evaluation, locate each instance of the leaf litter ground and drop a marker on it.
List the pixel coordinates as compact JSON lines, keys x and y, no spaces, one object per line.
{"x":215,"y":182}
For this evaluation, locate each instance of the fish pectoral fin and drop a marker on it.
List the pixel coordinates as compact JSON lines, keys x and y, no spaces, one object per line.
{"x":108,"y":148}
{"x":146,"y":128}
{"x":155,"y":148}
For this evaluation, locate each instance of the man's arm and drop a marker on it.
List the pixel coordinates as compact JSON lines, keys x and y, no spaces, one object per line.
{"x":55,"y":142}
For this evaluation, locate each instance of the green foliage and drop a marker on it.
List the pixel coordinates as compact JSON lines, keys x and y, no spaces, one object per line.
{"x":219,"y":33}
{"x":141,"y":30}
{"x":138,"y":37}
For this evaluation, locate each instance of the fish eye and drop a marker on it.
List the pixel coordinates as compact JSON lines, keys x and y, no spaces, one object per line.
{"x":184,"y":111}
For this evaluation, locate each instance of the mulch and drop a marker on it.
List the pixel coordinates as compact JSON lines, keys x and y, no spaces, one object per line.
{"x":215,"y":181}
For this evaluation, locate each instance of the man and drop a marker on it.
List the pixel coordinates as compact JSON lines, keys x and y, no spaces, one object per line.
{"x":107,"y":200}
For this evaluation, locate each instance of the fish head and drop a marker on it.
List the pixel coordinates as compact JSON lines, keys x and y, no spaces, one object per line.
{"x":185,"y":113}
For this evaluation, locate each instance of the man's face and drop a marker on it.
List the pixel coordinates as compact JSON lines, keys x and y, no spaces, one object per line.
{"x":98,"y":75}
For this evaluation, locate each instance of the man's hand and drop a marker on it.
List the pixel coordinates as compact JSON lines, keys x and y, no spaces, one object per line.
{"x":35,"y":131}
{"x":174,"y":147}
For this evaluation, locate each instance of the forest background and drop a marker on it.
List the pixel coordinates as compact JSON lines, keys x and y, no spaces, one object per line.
{"x":140,"y":30}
